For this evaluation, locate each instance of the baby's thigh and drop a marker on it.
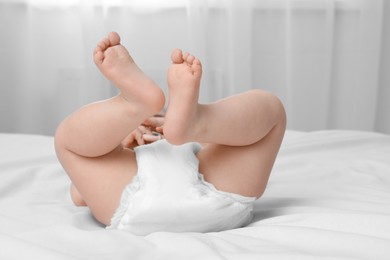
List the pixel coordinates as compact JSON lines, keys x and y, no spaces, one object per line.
{"x":240,"y":170}
{"x":243,"y":170}
{"x":100,"y":180}
{"x":76,"y":196}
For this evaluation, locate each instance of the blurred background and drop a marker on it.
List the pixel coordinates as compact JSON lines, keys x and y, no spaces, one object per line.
{"x":328,"y":60}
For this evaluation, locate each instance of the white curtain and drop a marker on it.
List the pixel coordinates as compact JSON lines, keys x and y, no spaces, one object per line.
{"x":328,"y":60}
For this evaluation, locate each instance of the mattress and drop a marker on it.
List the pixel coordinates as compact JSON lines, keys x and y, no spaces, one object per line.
{"x":328,"y":197}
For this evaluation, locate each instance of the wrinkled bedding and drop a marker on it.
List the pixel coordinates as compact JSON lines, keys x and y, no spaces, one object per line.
{"x":328,"y":197}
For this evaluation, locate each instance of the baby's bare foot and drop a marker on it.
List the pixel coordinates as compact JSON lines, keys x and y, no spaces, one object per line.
{"x":183,"y":81}
{"x":115,"y":62}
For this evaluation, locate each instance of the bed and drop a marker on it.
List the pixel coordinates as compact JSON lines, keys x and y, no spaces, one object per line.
{"x":328,"y":198}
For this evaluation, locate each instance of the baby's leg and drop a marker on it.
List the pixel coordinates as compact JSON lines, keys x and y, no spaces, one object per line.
{"x":98,"y":128}
{"x":244,"y":131}
{"x":76,"y":196}
{"x":88,"y":142}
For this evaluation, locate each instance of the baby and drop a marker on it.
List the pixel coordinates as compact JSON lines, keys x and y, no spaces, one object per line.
{"x":198,"y":168}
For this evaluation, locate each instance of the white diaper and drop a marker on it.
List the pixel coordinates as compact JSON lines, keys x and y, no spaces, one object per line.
{"x":169,"y":194}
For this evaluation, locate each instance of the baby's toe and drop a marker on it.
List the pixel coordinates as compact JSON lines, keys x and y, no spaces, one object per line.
{"x":196,"y":67}
{"x":190,"y":59}
{"x":177,"y":56}
{"x":104,"y":44}
{"x":113,"y":38}
{"x":98,"y":56}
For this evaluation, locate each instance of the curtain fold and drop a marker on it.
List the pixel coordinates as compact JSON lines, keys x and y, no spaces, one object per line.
{"x":328,"y":60}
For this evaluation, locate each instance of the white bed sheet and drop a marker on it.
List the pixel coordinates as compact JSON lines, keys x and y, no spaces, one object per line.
{"x":328,"y":197}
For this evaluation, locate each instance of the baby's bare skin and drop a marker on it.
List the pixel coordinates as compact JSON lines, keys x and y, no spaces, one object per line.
{"x":181,"y":121}
{"x":115,"y":62}
{"x":243,"y":132}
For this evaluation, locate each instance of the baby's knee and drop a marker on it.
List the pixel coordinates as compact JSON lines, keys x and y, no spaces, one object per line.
{"x":275,"y":103}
